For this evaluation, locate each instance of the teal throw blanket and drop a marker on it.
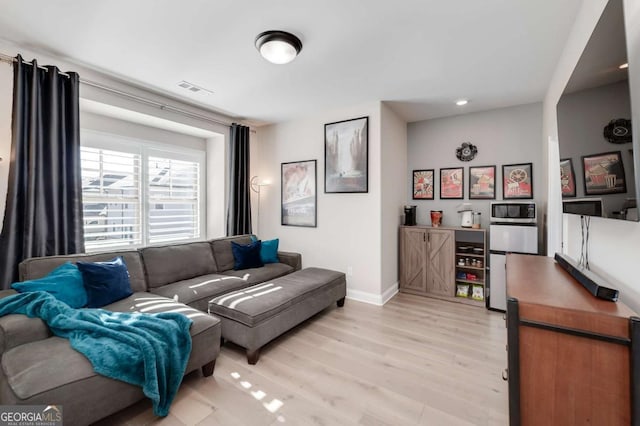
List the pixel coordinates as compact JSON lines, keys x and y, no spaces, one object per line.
{"x":147,"y":350}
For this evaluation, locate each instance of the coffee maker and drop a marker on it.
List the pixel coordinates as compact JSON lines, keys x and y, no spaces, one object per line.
{"x":409,"y":215}
{"x":467,"y":215}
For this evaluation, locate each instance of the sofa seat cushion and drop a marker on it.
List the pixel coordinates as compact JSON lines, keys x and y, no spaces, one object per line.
{"x":269,"y":271}
{"x":196,"y":292}
{"x":49,"y":366}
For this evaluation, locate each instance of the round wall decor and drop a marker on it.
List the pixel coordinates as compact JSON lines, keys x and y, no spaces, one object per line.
{"x":466,"y":152}
{"x":618,"y":131}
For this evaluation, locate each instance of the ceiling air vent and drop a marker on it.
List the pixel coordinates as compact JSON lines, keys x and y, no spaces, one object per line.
{"x":194,"y":88}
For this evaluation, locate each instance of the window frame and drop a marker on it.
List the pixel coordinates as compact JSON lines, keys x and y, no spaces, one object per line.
{"x":145,"y":149}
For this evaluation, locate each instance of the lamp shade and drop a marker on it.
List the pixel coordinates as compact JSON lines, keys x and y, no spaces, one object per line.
{"x":278,"y":47}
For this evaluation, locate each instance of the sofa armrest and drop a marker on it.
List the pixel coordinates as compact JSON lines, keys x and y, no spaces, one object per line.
{"x":17,"y":329}
{"x":292,"y":259}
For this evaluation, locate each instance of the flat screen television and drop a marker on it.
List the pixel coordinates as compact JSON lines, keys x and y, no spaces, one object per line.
{"x":598,"y":161}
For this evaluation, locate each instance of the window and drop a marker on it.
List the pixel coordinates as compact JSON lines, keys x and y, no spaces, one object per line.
{"x":138,"y":193}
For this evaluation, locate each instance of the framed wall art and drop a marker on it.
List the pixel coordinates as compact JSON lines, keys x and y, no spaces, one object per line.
{"x":423,"y":184}
{"x":603,"y":173}
{"x":346,"y":150}
{"x":298,"y":193}
{"x":482,"y":183}
{"x":517,"y":181}
{"x":452,"y":183}
{"x":567,"y":178}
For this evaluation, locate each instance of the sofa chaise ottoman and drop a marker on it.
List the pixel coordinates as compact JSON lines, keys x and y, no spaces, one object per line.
{"x":255,"y":315}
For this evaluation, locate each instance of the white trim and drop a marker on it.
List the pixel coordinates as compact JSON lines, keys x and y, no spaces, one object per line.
{"x":372,"y":298}
{"x":390,"y":292}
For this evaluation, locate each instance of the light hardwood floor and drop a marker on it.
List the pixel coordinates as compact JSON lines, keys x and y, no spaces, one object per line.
{"x":414,"y":360}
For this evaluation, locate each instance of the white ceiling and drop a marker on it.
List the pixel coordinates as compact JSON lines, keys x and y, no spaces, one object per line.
{"x":421,"y":55}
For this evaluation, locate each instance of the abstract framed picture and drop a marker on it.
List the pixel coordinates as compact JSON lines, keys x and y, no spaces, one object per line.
{"x":346,"y":151}
{"x":517,"y":181}
{"x":423,"y":184}
{"x":603,"y":173}
{"x":482,"y":183}
{"x":567,"y":178}
{"x":299,"y":193}
{"x":452,"y":183}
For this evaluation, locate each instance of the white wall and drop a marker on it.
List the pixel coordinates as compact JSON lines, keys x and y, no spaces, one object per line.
{"x":613,"y":244}
{"x":503,"y":136}
{"x":394,"y":171}
{"x":348,"y":235}
{"x":6,"y":102}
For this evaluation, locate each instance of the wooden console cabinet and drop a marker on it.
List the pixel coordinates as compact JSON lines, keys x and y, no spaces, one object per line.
{"x":432,"y":264}
{"x":426,"y":260}
{"x":573,"y":359}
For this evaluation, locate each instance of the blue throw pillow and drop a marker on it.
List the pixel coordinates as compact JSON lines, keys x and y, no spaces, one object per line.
{"x":64,"y":283}
{"x":269,"y":250}
{"x":105,"y":282}
{"x":246,"y":257}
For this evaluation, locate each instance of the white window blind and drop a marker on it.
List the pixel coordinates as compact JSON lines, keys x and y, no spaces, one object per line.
{"x":136,"y":193}
{"x":110,"y":198}
{"x":173,"y":200}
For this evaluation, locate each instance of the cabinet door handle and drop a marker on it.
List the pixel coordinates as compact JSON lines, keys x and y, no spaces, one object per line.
{"x":505,"y":374}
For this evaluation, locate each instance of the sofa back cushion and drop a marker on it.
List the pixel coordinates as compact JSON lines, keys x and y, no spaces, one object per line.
{"x":38,"y":267}
{"x":223,"y":253}
{"x":168,"y":264}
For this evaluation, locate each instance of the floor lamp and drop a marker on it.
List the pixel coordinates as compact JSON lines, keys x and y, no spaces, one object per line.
{"x":256,"y":187}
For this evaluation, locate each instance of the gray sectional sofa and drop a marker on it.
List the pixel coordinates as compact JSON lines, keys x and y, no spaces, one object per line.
{"x":39,"y":368}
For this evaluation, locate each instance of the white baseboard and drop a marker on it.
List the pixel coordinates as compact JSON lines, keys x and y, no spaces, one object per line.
{"x":372,"y":298}
{"x":389,"y":293}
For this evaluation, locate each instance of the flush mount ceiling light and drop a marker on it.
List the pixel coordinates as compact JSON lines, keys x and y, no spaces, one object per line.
{"x":623,"y":66}
{"x":462,"y":102}
{"x":278,"y":47}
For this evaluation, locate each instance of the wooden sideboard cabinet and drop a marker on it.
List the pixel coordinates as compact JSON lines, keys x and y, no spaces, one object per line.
{"x":573,"y":359}
{"x":427,"y":260}
{"x":432,"y":262}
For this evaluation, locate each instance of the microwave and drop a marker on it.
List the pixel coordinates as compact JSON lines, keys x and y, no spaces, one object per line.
{"x":513,"y":212}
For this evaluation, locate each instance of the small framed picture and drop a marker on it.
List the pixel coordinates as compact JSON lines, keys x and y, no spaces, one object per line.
{"x":603,"y":173}
{"x":346,"y":151}
{"x":423,"y":184}
{"x":482,"y":183}
{"x":452,"y":183}
{"x":567,"y":178}
{"x":517,"y":181}
{"x":298,"y":193}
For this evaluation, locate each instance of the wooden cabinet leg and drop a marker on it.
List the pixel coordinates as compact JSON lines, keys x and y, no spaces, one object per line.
{"x":207,"y":369}
{"x":340,"y":302}
{"x":253,"y":356}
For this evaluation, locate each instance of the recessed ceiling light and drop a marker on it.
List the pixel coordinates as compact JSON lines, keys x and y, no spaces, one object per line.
{"x":623,"y":66}
{"x":278,"y":47}
{"x":462,"y":102}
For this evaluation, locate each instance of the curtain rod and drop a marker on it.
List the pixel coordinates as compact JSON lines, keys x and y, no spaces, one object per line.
{"x":160,"y":105}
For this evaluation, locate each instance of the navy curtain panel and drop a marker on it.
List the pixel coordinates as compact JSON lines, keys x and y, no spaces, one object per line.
{"x":43,"y":213}
{"x":239,"y":208}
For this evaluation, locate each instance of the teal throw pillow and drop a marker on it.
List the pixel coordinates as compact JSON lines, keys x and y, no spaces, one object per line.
{"x":64,"y":283}
{"x":105,"y":282}
{"x":269,"y":250}
{"x":246,"y":256}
